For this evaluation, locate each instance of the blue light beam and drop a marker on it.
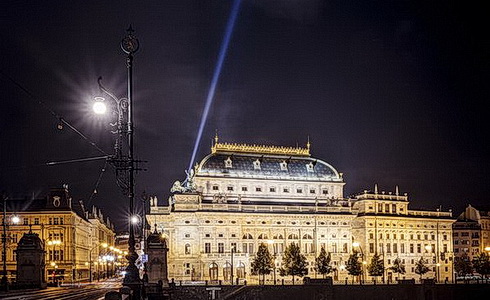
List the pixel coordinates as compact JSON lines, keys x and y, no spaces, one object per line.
{"x":217,"y":71}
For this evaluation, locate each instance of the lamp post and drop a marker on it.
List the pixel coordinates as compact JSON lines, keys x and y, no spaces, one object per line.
{"x":364,"y":262}
{"x":271,"y":242}
{"x":429,"y":249}
{"x":231,"y":273}
{"x":15,"y":220}
{"x":125,"y":164}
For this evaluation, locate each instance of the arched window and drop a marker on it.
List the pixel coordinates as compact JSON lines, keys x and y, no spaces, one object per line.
{"x":293,"y":236}
{"x":307,"y":237}
{"x":263,"y":236}
{"x":278,"y":237}
{"x":227,"y":272}
{"x":247,"y":236}
{"x":240,"y":270}
{"x":213,"y":272}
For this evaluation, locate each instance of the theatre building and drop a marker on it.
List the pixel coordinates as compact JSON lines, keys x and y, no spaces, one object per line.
{"x":240,"y":196}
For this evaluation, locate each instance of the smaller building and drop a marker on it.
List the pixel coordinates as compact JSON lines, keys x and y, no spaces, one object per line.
{"x":471,"y":232}
{"x":74,"y":238}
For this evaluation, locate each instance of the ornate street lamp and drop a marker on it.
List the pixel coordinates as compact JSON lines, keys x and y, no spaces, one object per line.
{"x":125,"y":164}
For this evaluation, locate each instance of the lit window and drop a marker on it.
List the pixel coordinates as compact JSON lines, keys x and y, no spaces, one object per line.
{"x":284,"y":165}
{"x":309,"y":167}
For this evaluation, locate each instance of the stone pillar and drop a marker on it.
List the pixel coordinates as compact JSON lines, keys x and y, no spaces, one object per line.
{"x":31,"y":261}
{"x":157,"y":259}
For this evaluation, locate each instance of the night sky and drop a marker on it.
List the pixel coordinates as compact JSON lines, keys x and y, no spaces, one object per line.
{"x":389,"y":92}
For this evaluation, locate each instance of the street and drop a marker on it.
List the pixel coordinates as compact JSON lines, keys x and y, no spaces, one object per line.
{"x":84,"y":291}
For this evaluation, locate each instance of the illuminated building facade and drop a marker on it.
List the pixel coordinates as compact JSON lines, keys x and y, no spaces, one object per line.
{"x":240,"y":196}
{"x":70,"y":233}
{"x":471,"y":232}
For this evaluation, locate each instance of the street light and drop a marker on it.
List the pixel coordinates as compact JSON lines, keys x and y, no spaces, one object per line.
{"x":125,"y":163}
{"x":15,"y":220}
{"x":271,"y":242}
{"x":232,"y":251}
{"x":364,"y":262}
{"x":429,"y":249}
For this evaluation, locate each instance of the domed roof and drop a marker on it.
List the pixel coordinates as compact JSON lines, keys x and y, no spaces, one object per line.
{"x":268,"y":162}
{"x":30,"y":241}
{"x":155,"y":240}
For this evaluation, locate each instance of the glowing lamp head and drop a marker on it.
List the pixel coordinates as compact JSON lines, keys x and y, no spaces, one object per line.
{"x":99,"y":106}
{"x":134,"y":219}
{"x":356,"y":244}
{"x":15,"y":219}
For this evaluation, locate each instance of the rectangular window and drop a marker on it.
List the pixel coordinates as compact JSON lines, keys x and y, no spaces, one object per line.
{"x":371,"y":247}
{"x":388,"y":248}
{"x":36,"y":221}
{"x":215,"y":187}
{"x":230,"y":188}
{"x":419,"y":248}
{"x":393,"y":208}
{"x":444,"y":247}
{"x":55,"y":221}
{"x":395,"y":248}
{"x":207,"y":248}
{"x":251,"y":248}
{"x":325,"y":192}
{"x":221,"y":248}
{"x":312,"y":191}
{"x":402,"y":236}
{"x":371,"y":236}
{"x":380,"y":207}
{"x":411,"y":248}
{"x":258,"y":189}
{"x":402,"y":248}
{"x":272,"y":189}
{"x":344,"y":248}
{"x":244,"y":189}
{"x":387,"y":208}
{"x":285,"y":190}
{"x":244,"y":248}
{"x":26,"y":221}
{"x":299,"y":191}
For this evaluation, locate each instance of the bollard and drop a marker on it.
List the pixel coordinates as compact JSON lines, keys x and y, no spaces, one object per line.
{"x":113,"y":295}
{"x":126,"y":293}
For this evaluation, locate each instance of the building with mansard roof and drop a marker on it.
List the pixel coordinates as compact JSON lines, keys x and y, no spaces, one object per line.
{"x":471,"y":232}
{"x":73,"y":236}
{"x":240,"y":196}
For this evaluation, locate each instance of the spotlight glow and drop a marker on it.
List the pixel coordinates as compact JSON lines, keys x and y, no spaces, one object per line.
{"x":217,"y":72}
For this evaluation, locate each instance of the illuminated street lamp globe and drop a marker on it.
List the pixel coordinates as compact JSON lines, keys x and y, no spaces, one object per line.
{"x":134,"y":219}
{"x":15,"y":219}
{"x":99,"y":106}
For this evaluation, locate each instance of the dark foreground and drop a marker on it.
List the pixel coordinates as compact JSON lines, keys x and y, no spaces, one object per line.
{"x":337,"y":292}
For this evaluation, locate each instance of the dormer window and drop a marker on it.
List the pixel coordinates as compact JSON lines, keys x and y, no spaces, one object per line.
{"x":309,"y":167}
{"x":284,"y":165}
{"x":256,"y":164}
{"x":228,"y":163}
